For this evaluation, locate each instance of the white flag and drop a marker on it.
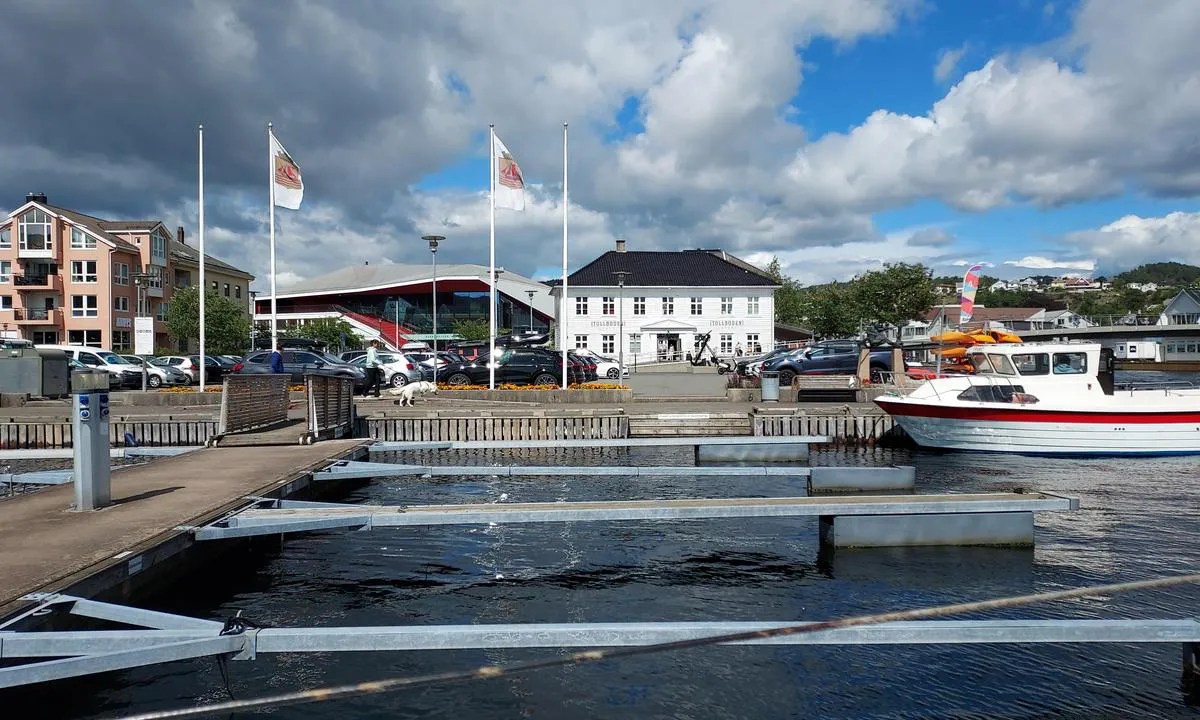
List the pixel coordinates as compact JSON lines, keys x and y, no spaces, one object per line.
{"x":509,"y":181}
{"x":289,"y":188}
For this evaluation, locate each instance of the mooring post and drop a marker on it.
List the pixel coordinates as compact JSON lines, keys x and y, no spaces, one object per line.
{"x":90,"y":442}
{"x":1190,"y":679}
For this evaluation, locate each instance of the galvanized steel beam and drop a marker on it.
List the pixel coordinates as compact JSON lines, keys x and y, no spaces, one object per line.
{"x":394,"y":446}
{"x":348,"y":469}
{"x":121,"y":660}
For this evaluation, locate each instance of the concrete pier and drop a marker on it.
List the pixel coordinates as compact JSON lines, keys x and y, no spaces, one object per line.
{"x":1012,"y":529}
{"x":861,"y":479}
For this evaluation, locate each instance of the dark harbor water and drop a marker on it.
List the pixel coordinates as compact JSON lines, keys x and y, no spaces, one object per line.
{"x":1140,"y":518}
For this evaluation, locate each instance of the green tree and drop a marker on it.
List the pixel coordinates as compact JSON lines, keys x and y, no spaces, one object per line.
{"x":789,"y":298}
{"x":334,"y":332}
{"x":473,"y":330}
{"x":829,"y":310}
{"x":226,"y":324}
{"x":894,"y":295}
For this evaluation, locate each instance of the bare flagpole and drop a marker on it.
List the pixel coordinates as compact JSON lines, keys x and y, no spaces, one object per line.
{"x":492,"y":259}
{"x":562,"y":315}
{"x":203,"y":290}
{"x":271,"y":186}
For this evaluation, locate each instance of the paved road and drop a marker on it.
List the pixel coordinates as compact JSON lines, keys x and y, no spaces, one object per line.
{"x":677,"y":384}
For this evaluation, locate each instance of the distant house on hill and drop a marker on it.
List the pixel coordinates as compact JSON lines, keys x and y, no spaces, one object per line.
{"x":1064,"y":319}
{"x":946,"y":317}
{"x":1144,"y":287}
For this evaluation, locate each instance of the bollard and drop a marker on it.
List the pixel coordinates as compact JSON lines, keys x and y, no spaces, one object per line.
{"x":90,"y":443}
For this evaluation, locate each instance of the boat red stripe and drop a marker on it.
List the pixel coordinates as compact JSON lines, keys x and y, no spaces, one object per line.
{"x":1034,"y":415}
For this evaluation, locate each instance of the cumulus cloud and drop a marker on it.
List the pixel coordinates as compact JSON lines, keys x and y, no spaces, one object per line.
{"x":1133,"y":240}
{"x":947,"y":62}
{"x":1037,"y":262}
{"x":931,"y":237}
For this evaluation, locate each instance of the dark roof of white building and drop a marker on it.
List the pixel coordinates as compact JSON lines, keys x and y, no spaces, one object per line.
{"x":678,"y":268}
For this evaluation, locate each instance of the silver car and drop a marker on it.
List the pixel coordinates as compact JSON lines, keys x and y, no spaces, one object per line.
{"x":398,"y":369}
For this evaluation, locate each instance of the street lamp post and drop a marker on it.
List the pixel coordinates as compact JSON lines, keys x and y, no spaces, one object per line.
{"x":433,"y":241}
{"x":253,"y":321}
{"x":530,"y":294}
{"x":621,"y":321}
{"x":139,"y":280}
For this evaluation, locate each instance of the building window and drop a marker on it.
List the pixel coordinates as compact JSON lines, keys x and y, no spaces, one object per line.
{"x":83,"y":271}
{"x":121,"y":304}
{"x":83,"y":306}
{"x":216,"y":285}
{"x":581,"y":342}
{"x":697,"y":305}
{"x":121,"y":341}
{"x":120,"y":274}
{"x":6,"y":238}
{"x":156,"y":277}
{"x":752,"y":345}
{"x":726,"y":306}
{"x":90,"y":338}
{"x":45,"y":337}
{"x":639,"y":306}
{"x":1185,"y":319}
{"x":752,"y":306}
{"x":5,"y":302}
{"x":608,"y":344}
{"x":158,"y":244}
{"x":726,"y":344}
{"x":5,"y":271}
{"x":35,"y":231}
{"x":635,"y":343}
{"x":81,"y":240}
{"x":608,"y":306}
{"x":581,"y":307}
{"x":226,"y":289}
{"x":668,"y":306}
{"x":162,"y":310}
{"x":237,"y":292}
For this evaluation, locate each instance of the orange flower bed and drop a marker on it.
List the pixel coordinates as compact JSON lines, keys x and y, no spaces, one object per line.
{"x":510,"y":386}
{"x":178,"y":389}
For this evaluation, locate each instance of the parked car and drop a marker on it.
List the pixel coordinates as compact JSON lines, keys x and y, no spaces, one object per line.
{"x":157,"y":375}
{"x":830,"y":357}
{"x":398,"y":369}
{"x":753,"y":365}
{"x":350,"y":355}
{"x":521,"y":366}
{"x":130,"y":374}
{"x":606,"y":367}
{"x":299,"y":363}
{"x":114,"y":380}
{"x":182,"y":363}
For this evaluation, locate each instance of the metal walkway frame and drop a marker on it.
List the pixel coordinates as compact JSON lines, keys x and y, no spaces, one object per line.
{"x":164,"y":637}
{"x":718,"y":441}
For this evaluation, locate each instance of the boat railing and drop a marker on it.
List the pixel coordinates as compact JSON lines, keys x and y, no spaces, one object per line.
{"x":1165,"y":385}
{"x":980,"y":380}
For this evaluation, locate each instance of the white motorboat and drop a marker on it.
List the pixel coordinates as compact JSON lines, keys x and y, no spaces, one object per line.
{"x":1048,"y":399}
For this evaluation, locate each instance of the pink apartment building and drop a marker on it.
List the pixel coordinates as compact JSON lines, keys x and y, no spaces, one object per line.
{"x":69,"y":278}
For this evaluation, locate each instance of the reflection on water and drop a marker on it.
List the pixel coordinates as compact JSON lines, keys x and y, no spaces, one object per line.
{"x":1138,"y":519}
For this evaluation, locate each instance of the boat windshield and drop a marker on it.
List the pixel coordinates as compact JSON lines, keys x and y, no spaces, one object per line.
{"x":1001,"y":365}
{"x":981,"y":363}
{"x":1032,"y":363}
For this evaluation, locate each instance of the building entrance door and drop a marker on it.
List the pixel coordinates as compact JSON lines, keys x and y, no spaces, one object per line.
{"x":669,"y":347}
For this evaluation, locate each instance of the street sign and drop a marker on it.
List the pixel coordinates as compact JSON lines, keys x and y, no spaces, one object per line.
{"x":143,"y":336}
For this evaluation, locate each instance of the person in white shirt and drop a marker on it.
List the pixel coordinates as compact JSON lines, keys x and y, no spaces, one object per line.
{"x":372,"y":366}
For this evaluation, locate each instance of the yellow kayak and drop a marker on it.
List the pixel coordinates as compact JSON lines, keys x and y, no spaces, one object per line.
{"x":983,"y":338}
{"x":954,"y":352}
{"x":953,"y":336}
{"x":1001,"y":336}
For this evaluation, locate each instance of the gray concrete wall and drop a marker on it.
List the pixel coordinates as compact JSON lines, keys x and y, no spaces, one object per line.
{"x":553,"y":397}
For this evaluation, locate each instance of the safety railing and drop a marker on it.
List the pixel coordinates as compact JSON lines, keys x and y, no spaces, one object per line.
{"x":329,"y":403}
{"x":250,"y":402}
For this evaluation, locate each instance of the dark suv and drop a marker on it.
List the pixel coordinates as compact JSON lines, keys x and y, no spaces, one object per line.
{"x":519,"y":366}
{"x":299,"y":363}
{"x":831,"y":357}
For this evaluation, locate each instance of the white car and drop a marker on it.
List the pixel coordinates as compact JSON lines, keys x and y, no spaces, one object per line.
{"x":398,"y":370}
{"x":606,"y":367}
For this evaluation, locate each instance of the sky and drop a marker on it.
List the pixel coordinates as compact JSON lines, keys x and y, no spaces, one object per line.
{"x":1038,"y":137}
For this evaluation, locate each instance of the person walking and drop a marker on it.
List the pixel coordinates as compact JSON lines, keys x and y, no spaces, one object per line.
{"x":276,"y":361}
{"x":372,"y":367}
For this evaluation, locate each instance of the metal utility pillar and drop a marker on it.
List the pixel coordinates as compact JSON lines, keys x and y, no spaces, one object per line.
{"x":90,"y":440}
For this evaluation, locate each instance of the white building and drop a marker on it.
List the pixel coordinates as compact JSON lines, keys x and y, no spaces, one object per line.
{"x":668,"y":299}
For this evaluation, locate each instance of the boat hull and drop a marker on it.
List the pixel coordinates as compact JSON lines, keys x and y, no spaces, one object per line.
{"x":1031,"y":432}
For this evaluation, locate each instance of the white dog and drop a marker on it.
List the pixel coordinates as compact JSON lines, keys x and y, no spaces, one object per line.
{"x":411,"y":390}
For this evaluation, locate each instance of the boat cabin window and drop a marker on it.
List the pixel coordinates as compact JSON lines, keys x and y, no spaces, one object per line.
{"x":997,"y":394}
{"x":1001,"y":364}
{"x":1032,"y":363}
{"x":1072,"y":363}
{"x":980,"y":361}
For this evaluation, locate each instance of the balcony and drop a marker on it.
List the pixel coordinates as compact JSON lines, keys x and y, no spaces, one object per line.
{"x":35,"y":316}
{"x":37,"y":283}
{"x":36,"y":248}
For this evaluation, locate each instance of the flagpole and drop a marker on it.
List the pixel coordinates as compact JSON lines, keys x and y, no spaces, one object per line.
{"x":271,"y":188}
{"x":203,"y":287}
{"x":492,"y":259}
{"x":562,"y":316}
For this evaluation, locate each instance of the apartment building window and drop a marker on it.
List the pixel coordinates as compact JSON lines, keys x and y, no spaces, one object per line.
{"x":226,"y":289}
{"x":81,"y":240}
{"x":83,"y":271}
{"x":639,"y":306}
{"x":120,"y":274}
{"x":752,"y":345}
{"x":83,"y":306}
{"x":158,"y":244}
{"x":726,"y":343}
{"x":635,"y":343}
{"x":668,"y":306}
{"x":121,"y":341}
{"x":90,"y":338}
{"x":5,"y":302}
{"x":121,"y":304}
{"x":581,"y":342}
{"x":6,"y":238}
{"x":697,"y":305}
{"x":608,"y":344}
{"x":45,"y":337}
{"x":35,"y":231}
{"x":5,"y":271}
{"x":156,"y":277}
{"x":162,"y":310}
{"x":752,"y":306}
{"x":237,"y":292}
{"x":726,"y":306}
{"x":581,"y":306}
{"x":608,"y":306}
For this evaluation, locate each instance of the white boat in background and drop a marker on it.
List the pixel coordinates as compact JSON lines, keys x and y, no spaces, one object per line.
{"x":1048,"y":399}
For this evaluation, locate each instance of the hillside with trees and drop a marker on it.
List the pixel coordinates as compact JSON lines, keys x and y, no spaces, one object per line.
{"x":1174,"y":274}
